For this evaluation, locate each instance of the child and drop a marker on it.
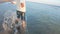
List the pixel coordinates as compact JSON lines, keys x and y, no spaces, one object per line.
{"x":21,"y":9}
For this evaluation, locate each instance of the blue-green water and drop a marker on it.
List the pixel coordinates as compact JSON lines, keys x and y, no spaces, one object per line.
{"x":41,"y":18}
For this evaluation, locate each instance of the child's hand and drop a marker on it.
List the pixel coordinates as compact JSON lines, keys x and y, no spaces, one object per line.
{"x":13,"y":2}
{"x":3,"y":1}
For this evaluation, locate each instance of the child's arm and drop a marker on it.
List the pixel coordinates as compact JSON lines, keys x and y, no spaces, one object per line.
{"x":13,"y":2}
{"x":3,"y":1}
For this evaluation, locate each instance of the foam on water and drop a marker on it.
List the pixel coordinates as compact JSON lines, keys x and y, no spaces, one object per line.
{"x":9,"y":18}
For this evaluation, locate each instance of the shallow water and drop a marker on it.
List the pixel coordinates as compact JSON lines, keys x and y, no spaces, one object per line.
{"x":41,"y":18}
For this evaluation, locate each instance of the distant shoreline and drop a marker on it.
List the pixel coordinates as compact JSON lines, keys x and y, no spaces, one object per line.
{"x":48,"y":2}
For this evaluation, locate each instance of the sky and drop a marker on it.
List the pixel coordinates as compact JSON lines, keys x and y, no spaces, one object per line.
{"x":52,"y":2}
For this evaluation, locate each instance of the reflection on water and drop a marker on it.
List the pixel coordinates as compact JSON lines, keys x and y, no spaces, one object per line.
{"x":41,"y":18}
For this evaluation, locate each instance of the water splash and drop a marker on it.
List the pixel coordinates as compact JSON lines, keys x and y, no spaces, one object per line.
{"x":9,"y":19}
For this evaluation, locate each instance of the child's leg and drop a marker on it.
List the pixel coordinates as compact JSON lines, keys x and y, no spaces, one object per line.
{"x":23,"y":16}
{"x":23,"y":22}
{"x":18,"y":14}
